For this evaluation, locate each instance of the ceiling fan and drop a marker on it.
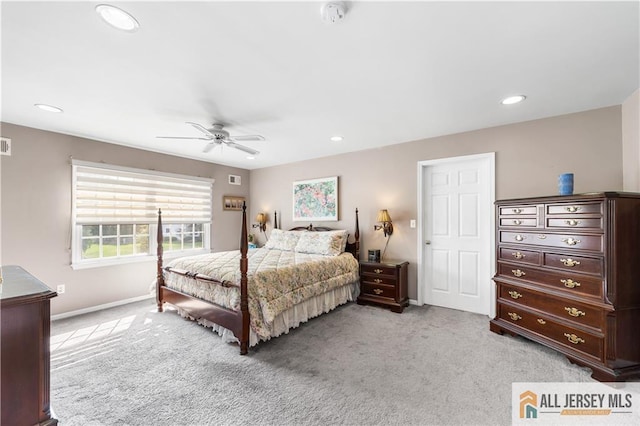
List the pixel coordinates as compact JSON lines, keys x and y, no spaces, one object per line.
{"x":218,"y":136}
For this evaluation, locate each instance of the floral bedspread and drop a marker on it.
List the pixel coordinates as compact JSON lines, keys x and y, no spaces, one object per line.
{"x":276,"y":280}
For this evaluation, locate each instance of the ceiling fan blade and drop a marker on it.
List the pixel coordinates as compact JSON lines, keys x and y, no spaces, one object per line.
{"x":247,"y":138}
{"x":209,"y":146}
{"x":202,"y":129}
{"x":246,"y":149}
{"x":182,"y":137}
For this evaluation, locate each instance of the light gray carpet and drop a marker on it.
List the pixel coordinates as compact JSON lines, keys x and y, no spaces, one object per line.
{"x":358,"y":365}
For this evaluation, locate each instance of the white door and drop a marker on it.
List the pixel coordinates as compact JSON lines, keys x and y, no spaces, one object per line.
{"x":457,"y":245}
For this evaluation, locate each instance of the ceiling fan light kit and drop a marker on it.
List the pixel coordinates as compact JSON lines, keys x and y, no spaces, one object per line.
{"x":333,"y":12}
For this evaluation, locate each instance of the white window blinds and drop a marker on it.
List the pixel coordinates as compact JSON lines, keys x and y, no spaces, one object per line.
{"x":111,"y":194}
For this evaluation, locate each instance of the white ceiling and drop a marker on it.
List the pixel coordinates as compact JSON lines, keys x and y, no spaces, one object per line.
{"x":388,"y":73}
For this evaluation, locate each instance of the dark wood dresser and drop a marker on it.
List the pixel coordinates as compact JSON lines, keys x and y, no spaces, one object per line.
{"x":384,"y":284}
{"x":24,"y":349}
{"x":568,"y":276}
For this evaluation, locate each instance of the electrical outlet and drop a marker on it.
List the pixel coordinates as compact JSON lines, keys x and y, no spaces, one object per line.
{"x":60,"y":289}
{"x":412,"y":223}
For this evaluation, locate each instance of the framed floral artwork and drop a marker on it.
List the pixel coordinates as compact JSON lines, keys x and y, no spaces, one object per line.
{"x":315,"y":199}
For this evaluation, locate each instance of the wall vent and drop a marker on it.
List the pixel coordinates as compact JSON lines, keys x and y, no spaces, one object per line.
{"x":5,"y":146}
{"x":234,"y":180}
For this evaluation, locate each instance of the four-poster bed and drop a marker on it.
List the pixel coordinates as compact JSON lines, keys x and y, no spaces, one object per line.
{"x":299,"y":274}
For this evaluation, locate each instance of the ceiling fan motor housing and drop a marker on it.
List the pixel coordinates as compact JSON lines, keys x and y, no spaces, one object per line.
{"x":219,"y":132}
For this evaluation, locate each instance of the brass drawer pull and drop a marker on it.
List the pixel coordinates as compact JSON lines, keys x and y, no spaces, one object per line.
{"x":569,"y":262}
{"x":377,"y":291}
{"x":572,"y":222}
{"x":518,"y":255}
{"x":573,"y":338}
{"x":517,"y":222}
{"x":377,"y":280}
{"x":569,"y":283}
{"x":541,"y":321}
{"x":514,"y":294}
{"x":517,"y":211}
{"x":542,"y":237}
{"x":574,"y":312}
{"x":518,"y":273}
{"x":378,"y":271}
{"x":519,"y":237}
{"x":514,"y":316}
{"x":570,"y":241}
{"x":572,"y":209}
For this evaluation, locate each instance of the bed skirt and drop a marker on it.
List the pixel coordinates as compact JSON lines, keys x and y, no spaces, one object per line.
{"x":292,"y":317}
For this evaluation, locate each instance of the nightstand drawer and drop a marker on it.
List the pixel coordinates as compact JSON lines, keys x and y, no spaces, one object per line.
{"x":379,"y":279}
{"x":378,"y":290}
{"x":376,"y":270}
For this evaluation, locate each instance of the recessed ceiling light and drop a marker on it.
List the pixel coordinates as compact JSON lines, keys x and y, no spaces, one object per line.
{"x":49,"y":108}
{"x":117,"y":17}
{"x":250,"y":157}
{"x":336,"y":138}
{"x":513,"y":99}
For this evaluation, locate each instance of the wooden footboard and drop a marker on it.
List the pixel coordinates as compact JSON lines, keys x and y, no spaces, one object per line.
{"x":236,"y":321}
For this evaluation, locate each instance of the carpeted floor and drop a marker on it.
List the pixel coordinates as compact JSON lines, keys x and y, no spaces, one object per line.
{"x":358,"y":365}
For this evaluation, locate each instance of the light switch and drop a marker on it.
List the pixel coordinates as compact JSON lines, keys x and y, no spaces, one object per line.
{"x":412,"y":224}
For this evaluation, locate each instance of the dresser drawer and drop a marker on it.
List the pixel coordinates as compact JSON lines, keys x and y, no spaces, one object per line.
{"x":378,"y":290}
{"x":558,"y":331}
{"x":587,"y":265}
{"x":570,"y":283}
{"x":519,"y":255}
{"x":521,"y":222}
{"x":577,"y":208}
{"x":568,"y":310}
{"x":574,"y":241}
{"x":518,"y":210}
{"x":574,"y":222}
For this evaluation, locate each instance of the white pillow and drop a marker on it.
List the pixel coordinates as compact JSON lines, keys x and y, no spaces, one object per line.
{"x":330,"y":243}
{"x":283,"y":240}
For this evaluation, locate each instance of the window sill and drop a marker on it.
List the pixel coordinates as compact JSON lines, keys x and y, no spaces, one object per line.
{"x":89,"y":264}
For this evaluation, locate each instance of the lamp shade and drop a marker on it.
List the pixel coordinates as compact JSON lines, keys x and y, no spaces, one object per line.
{"x":261,"y":218}
{"x":383,"y":216}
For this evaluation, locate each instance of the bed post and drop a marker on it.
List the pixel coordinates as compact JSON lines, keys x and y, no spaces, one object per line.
{"x":357,"y":237}
{"x":159,"y":276}
{"x":275,"y":219}
{"x":244,"y":298}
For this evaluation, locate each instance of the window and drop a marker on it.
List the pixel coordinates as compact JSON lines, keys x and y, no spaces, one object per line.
{"x":115,"y":213}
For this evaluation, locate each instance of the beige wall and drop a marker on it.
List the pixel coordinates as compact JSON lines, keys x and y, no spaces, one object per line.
{"x":36,"y":213}
{"x":529,"y":157}
{"x":631,"y":142}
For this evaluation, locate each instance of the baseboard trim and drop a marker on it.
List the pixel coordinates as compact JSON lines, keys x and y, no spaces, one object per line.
{"x":414,"y":302}
{"x":99,"y":307}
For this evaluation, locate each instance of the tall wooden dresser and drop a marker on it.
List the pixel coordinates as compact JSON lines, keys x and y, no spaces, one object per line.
{"x":24,"y":349}
{"x":568,"y":277}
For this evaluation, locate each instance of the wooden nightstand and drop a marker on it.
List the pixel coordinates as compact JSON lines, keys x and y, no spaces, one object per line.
{"x":385,"y":284}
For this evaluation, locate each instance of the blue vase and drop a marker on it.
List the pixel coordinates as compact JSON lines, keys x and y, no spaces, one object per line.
{"x":565,"y":184}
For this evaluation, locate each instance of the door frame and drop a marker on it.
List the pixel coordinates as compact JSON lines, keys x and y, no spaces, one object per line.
{"x":422,"y":166}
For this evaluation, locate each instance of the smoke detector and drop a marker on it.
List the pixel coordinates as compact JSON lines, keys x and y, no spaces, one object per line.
{"x":333,"y":12}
